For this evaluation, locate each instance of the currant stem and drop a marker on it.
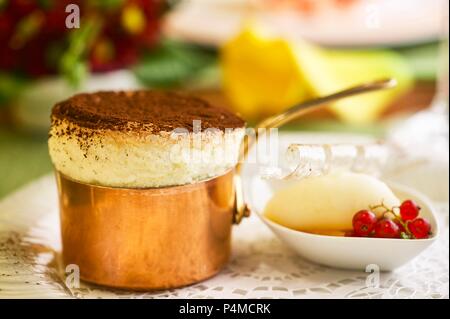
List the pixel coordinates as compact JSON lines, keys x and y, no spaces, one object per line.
{"x":395,"y":215}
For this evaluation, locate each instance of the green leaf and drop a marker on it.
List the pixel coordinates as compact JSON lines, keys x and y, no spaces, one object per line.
{"x":73,"y":64}
{"x":423,"y":59}
{"x":10,"y":86}
{"x":107,"y":4}
{"x":173,"y":63}
{"x":45,"y":4}
{"x":3,"y":4}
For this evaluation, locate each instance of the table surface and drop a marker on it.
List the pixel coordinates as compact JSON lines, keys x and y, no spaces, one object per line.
{"x":261,"y":266}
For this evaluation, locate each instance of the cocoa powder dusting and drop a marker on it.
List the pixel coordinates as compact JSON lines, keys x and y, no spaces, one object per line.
{"x":143,"y":110}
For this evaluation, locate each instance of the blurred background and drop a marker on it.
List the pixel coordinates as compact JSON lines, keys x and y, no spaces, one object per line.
{"x":257,"y":57}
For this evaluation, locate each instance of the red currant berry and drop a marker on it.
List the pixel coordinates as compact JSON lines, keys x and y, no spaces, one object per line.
{"x":409,"y":210}
{"x":364,"y":222}
{"x":420,"y":228}
{"x":386,"y":228}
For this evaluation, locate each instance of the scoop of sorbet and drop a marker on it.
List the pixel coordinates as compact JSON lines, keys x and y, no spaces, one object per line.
{"x":328,"y":202}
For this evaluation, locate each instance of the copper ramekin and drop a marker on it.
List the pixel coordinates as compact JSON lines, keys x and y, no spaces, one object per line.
{"x":145,"y":239}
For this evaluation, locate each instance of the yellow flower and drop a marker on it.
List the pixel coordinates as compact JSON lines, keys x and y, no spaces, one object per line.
{"x":133,"y":19}
{"x":103,"y":51}
{"x":264,"y":74}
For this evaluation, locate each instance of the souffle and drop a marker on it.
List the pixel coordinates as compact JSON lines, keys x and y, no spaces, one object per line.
{"x":142,"y":139}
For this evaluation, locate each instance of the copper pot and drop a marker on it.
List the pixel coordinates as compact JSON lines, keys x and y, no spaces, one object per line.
{"x":153,"y":238}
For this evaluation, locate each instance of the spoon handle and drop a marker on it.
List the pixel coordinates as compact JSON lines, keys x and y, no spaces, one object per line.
{"x":300,"y":109}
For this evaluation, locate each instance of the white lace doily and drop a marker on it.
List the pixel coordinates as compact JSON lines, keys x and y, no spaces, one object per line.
{"x":261,"y":266}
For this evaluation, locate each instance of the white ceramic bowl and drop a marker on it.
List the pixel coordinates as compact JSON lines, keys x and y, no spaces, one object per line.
{"x":348,"y":252}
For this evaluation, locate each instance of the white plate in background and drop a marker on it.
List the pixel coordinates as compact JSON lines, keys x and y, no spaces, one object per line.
{"x":367,"y":23}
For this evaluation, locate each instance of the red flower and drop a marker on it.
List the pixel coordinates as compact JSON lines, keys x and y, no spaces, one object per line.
{"x":36,"y":50}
